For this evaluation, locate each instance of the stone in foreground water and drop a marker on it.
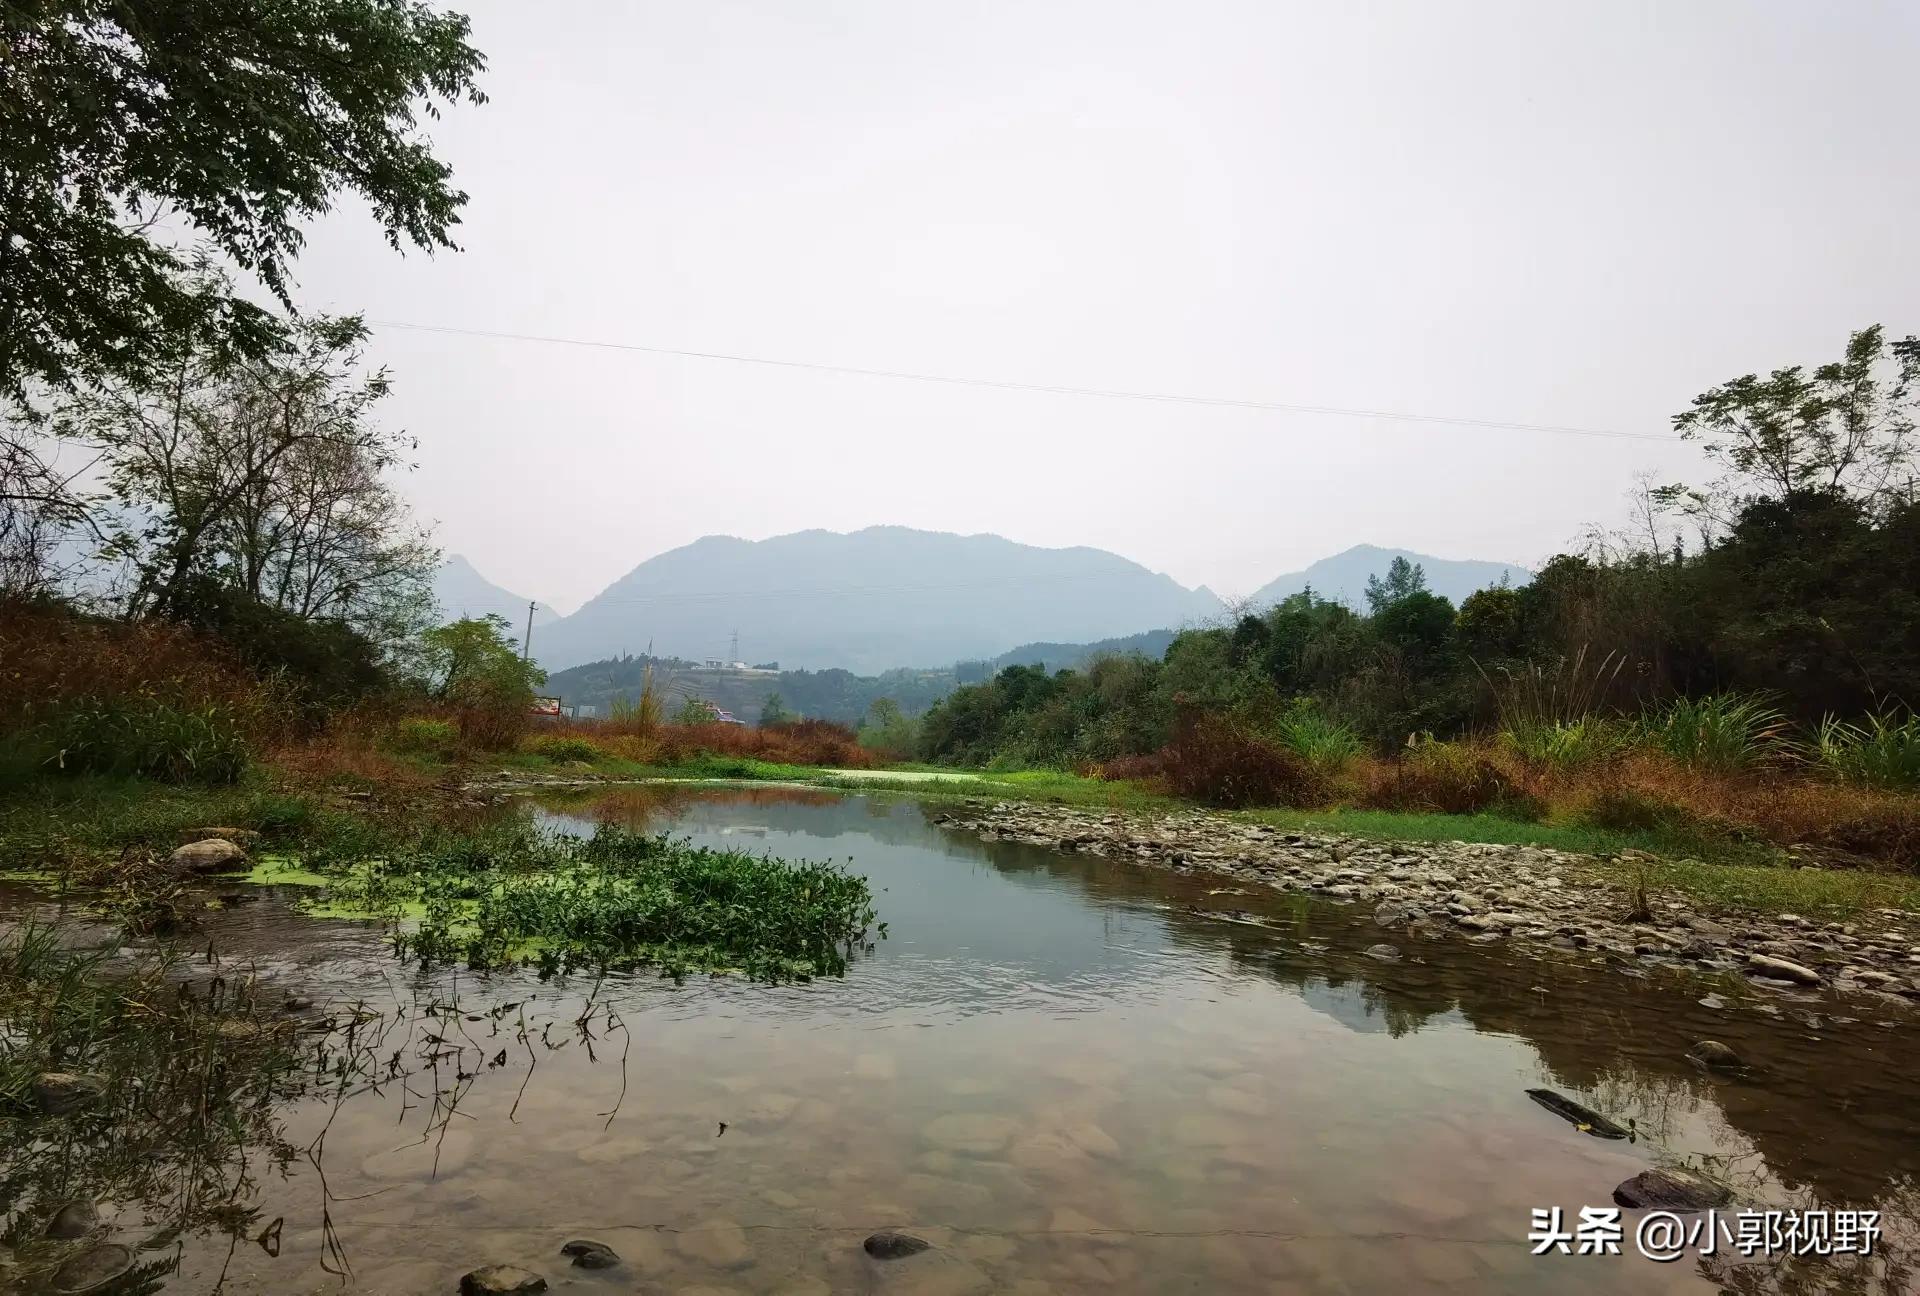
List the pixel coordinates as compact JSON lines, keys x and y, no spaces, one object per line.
{"x":1714,"y":1056}
{"x":502,"y":1280}
{"x":888,"y":1245}
{"x":1671,"y":1189}
{"x":588,"y":1254}
{"x":60,"y":1093}
{"x":94,"y":1269}
{"x":76,"y":1219}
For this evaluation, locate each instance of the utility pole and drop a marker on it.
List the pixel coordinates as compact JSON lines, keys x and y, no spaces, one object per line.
{"x":526,"y":645}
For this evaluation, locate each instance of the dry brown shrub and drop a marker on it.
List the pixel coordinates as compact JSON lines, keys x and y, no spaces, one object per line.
{"x":1449,"y":778}
{"x":1216,"y":762}
{"x":804,"y":742}
{"x":51,"y":656}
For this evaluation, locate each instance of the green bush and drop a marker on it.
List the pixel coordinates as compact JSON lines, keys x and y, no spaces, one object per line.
{"x":1567,"y":744}
{"x":1720,"y":731}
{"x":425,"y":735}
{"x":147,"y":738}
{"x":562,"y":750}
{"x":1313,"y":736}
{"x":1884,"y":752}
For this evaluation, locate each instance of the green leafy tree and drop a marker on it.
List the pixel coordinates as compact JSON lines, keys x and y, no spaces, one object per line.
{"x":474,"y":666}
{"x":131,"y":132}
{"x":123,"y":123}
{"x":887,"y":729}
{"x":696,"y":711}
{"x":1847,"y":427}
{"x":774,"y":712}
{"x":1403,"y":579}
{"x":1491,"y":623}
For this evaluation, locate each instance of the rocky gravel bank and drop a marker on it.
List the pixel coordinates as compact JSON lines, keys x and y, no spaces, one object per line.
{"x":1487,"y":894}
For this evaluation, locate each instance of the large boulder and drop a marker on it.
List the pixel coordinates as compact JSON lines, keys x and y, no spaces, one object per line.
{"x":210,"y":855}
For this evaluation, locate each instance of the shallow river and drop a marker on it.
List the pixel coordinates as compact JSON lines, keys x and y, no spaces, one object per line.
{"x":1069,"y":1075}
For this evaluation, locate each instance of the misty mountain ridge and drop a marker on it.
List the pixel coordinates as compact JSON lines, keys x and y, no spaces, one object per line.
{"x":888,"y":596}
{"x":459,"y":590}
{"x":868,"y":600}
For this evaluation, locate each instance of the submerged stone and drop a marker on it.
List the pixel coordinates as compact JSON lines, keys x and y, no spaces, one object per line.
{"x":60,"y":1093}
{"x":1671,"y":1189}
{"x":502,"y":1280}
{"x":1585,"y":1119}
{"x":1385,"y":953}
{"x":588,"y":1254}
{"x":94,"y":1269}
{"x":1714,"y":1056}
{"x":76,"y":1219}
{"x":887,"y":1245}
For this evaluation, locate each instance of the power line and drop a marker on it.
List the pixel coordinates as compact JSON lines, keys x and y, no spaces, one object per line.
{"x":1056,"y":389}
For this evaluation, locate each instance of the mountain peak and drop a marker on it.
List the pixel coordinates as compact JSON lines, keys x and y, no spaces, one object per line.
{"x":868,"y":600}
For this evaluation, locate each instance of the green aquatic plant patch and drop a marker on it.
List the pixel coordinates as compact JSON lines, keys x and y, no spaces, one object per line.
{"x":617,"y":899}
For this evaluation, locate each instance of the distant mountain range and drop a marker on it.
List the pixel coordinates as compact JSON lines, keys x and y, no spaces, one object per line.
{"x":888,"y":597}
{"x":460,"y":591}
{"x":867,"y":601}
{"x":1343,"y":577}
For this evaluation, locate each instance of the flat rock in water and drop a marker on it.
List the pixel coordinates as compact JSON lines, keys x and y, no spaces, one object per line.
{"x":590,"y":1255}
{"x":1714,"y":1056}
{"x":893,"y":1246}
{"x":211,"y":855}
{"x":502,"y":1280}
{"x":1784,"y":969}
{"x":94,"y":1269}
{"x":1671,"y":1189}
{"x":1385,"y":953}
{"x":60,"y":1093}
{"x":76,"y":1219}
{"x":1585,"y":1119}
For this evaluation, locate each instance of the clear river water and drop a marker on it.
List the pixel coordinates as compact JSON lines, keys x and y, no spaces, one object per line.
{"x":1068,"y":1075}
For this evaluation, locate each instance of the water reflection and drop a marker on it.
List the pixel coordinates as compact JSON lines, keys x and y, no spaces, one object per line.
{"x":1069,"y":1074}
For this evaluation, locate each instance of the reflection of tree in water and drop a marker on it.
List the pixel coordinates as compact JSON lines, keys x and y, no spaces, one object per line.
{"x":1892,"y":1270}
{"x":197,"y":1070}
{"x":185,"y":1120}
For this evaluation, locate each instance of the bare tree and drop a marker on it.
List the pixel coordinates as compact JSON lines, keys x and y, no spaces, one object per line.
{"x":40,"y":507}
{"x":268,"y":476}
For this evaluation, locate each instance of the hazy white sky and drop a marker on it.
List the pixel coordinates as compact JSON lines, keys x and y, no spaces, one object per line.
{"x":1514,"y":211}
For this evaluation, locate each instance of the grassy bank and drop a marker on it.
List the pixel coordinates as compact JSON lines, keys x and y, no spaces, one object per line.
{"x":336,"y":801}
